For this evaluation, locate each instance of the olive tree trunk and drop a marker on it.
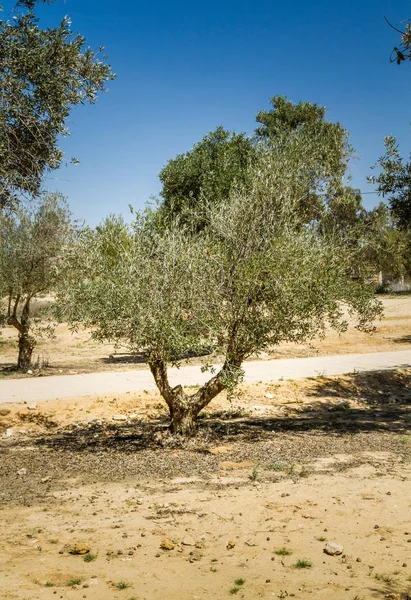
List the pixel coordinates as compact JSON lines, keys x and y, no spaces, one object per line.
{"x":26,"y":347}
{"x":26,"y":341}
{"x":184,"y":409}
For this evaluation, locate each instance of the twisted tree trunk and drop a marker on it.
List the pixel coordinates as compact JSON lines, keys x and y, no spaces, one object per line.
{"x":26,"y":341}
{"x":184,"y":409}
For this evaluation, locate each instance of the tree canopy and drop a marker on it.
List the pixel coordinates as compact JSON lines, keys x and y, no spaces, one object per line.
{"x":43,"y":74}
{"x":222,"y":161}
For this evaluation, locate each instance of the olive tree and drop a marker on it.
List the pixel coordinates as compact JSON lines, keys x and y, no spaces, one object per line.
{"x":44,"y":73}
{"x":252,"y":278}
{"x":32,"y":240}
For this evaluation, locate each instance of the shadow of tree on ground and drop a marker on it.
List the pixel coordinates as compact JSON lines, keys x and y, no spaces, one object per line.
{"x":382,"y":405}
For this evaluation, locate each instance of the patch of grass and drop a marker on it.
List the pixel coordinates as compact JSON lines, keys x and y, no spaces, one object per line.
{"x":304,"y":472}
{"x":213,"y":569}
{"x":321,"y":538}
{"x":49,"y":584}
{"x":53,"y":541}
{"x":240,"y":581}
{"x":123,"y":585}
{"x":89,"y":557}
{"x":386,"y":578}
{"x":303,"y":564}
{"x":254,"y":473}
{"x":74,"y":581}
{"x":275,"y":467}
{"x":283,"y":552}
{"x":234,"y":590}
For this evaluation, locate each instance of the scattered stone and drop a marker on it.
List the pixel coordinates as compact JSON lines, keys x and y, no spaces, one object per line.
{"x":333,"y":549}
{"x":167,"y":545}
{"x":32,"y":406}
{"x":22,"y":471}
{"x":188,"y":541}
{"x":120,"y":418}
{"x":284,"y":495}
{"x":79,"y":549}
{"x":4,"y":412}
{"x":230,"y":545}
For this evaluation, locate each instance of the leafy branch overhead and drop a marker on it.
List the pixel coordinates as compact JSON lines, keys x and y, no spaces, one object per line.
{"x":43,"y":74}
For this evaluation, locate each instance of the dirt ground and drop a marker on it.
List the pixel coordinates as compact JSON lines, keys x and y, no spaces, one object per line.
{"x":243,"y":510}
{"x":76,"y":353}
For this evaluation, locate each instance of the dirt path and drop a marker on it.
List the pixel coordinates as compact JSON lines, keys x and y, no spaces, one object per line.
{"x":73,"y":386}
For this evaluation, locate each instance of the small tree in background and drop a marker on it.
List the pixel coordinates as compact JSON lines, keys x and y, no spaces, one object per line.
{"x":32,"y":240}
{"x":255,"y":276}
{"x":394,"y":182}
{"x":44,"y":73}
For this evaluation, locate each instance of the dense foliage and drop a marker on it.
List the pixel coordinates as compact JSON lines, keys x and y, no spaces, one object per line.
{"x":43,"y":74}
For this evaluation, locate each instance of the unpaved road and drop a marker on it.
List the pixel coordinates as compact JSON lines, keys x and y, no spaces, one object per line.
{"x":93,"y":384}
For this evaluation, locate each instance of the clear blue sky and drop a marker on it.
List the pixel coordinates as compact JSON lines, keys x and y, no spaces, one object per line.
{"x":185,"y":67}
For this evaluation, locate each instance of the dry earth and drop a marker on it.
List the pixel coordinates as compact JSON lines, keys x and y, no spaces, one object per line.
{"x":287,"y":466}
{"x":76,"y":353}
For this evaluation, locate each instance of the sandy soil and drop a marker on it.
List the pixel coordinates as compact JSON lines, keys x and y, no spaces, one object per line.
{"x":287,"y":466}
{"x":76,"y":353}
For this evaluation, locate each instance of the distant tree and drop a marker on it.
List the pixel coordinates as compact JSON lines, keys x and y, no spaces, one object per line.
{"x":32,"y":240}
{"x":394,"y":182}
{"x":207,"y":173}
{"x":372,"y":235}
{"x":222,"y":161}
{"x":252,"y":278}
{"x":44,"y":73}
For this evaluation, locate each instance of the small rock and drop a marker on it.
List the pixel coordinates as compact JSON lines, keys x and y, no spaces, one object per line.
{"x":45,"y":479}
{"x":167,"y":545}
{"x":29,"y":372}
{"x":32,"y":406}
{"x":4,"y":412}
{"x":404,"y":564}
{"x":79,"y":549}
{"x":333,"y":549}
{"x":358,"y":559}
{"x":9,"y":432}
{"x":376,"y":526}
{"x":188,"y":541}
{"x":139,"y":501}
{"x":269,"y":396}
{"x":22,"y":471}
{"x":230,"y":545}
{"x":120,"y":418}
